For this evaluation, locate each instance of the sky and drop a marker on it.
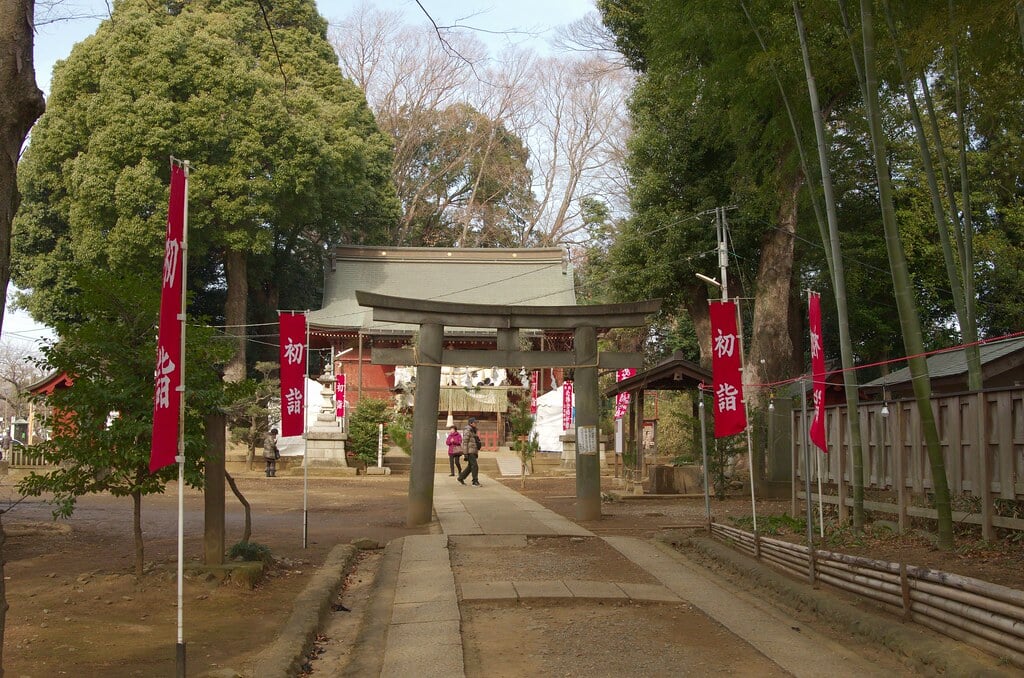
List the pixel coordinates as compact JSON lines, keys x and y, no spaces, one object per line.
{"x":527,"y":23}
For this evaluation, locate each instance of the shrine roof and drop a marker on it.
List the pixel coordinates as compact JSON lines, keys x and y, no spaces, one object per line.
{"x":505,"y":276}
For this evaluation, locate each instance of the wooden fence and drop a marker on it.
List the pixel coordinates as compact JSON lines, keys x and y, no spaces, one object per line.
{"x":988,"y":616}
{"x":18,"y":457}
{"x":982,"y":439}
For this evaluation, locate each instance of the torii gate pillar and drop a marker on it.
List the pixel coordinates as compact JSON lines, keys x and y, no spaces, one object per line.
{"x":588,"y":461}
{"x":424,"y":424}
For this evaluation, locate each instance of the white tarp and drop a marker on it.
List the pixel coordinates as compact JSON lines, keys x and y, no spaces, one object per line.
{"x":548,"y":423}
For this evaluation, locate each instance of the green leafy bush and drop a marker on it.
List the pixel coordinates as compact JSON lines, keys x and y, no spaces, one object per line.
{"x":362,"y":427}
{"x":398,"y":432}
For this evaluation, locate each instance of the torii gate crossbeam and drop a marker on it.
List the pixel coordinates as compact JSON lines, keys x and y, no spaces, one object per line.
{"x":429,"y":355}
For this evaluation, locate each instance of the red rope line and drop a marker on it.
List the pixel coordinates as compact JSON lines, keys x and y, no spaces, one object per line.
{"x":806,"y":376}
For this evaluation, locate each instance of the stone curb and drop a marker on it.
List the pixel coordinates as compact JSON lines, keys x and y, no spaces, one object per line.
{"x":371,"y":640}
{"x":925,"y":652}
{"x":565,"y":590}
{"x":283,"y":657}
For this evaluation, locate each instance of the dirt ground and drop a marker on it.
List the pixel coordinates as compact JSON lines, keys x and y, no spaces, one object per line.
{"x":77,"y":609}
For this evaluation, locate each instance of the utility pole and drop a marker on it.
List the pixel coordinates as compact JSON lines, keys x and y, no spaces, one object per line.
{"x":722,"y":235}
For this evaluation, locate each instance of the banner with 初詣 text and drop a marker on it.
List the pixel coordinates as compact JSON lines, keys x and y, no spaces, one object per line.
{"x":726,"y":370}
{"x":339,"y":395}
{"x":817,"y":432}
{"x":622,"y":399}
{"x":293,"y":373}
{"x":167,"y":393}
{"x":534,"y":378}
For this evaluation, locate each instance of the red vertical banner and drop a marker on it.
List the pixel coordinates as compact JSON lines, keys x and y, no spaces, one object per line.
{"x":566,"y":405}
{"x":339,"y":395}
{"x":622,"y":399}
{"x":817,"y":432}
{"x":293,"y":373}
{"x":534,"y":379}
{"x":726,"y":370}
{"x":168,"y":375}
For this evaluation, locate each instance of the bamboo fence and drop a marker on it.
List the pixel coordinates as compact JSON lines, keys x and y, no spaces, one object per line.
{"x":986,"y":615}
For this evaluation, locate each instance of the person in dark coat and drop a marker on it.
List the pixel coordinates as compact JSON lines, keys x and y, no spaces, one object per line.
{"x":471,"y":448}
{"x":270,"y":452}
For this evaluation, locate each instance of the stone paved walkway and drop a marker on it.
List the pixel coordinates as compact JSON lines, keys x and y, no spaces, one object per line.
{"x":423,"y":633}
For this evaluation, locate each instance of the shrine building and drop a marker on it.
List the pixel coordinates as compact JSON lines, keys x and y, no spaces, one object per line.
{"x":516,"y":277}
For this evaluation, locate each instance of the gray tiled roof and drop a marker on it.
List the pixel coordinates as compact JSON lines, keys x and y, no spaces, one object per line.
{"x":953,"y":363}
{"x":517,"y":277}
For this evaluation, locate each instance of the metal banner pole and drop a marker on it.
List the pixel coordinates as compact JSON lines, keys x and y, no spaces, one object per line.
{"x":723,"y":262}
{"x":821,"y":509}
{"x":704,"y":456}
{"x":305,"y":444}
{"x":804,"y":441}
{"x":180,"y":647}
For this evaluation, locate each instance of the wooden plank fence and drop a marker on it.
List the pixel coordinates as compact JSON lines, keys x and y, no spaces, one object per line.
{"x":18,"y":457}
{"x":982,"y":439}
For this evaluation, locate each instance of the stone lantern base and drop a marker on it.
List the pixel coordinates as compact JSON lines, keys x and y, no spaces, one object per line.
{"x":325,"y":448}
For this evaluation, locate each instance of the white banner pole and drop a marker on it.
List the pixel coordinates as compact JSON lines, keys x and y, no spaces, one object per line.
{"x":180,"y":649}
{"x":821,"y":510}
{"x":305,"y":444}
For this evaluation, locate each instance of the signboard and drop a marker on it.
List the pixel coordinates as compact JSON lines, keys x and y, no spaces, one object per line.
{"x":586,"y":439}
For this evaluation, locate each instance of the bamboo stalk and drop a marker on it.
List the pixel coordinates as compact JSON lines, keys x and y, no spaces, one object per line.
{"x":782,"y":564}
{"x":867,"y":592}
{"x":973,"y":599}
{"x":956,"y":581}
{"x":799,"y":564}
{"x":968,"y":628}
{"x":969,"y":614}
{"x":1011,"y":654}
{"x":905,"y":587}
{"x":885,"y":575}
{"x":888,"y":588}
{"x":883,"y":565}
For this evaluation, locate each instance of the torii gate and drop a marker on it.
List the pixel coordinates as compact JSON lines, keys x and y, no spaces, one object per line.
{"x":429,"y":355}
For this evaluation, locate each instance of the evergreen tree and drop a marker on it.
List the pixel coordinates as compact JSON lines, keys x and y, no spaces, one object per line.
{"x":287,"y":159}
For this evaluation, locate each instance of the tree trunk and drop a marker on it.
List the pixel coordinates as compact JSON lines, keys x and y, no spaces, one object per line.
{"x":137,"y":531}
{"x":771,"y":340}
{"x":247,"y":532}
{"x":20,"y":106}
{"x":3,"y":594}
{"x":696,"y":302}
{"x":235,"y":315}
{"x":910,"y":324}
